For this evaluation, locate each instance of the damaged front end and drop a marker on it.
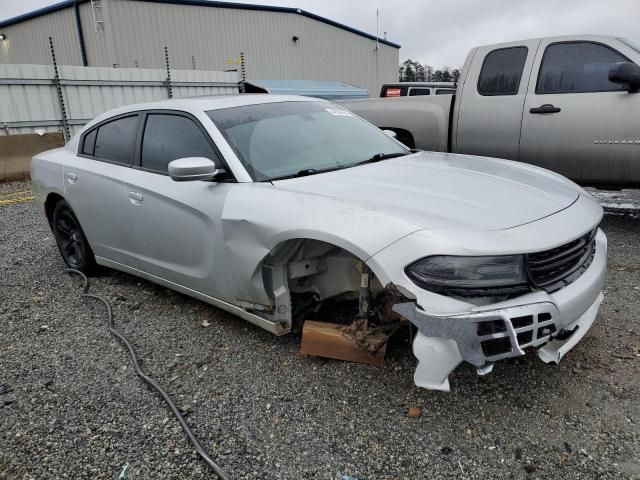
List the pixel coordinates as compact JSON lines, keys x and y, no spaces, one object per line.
{"x":550,"y":323}
{"x":483,"y":338}
{"x":346,"y":313}
{"x":350,"y":297}
{"x":331,"y":296}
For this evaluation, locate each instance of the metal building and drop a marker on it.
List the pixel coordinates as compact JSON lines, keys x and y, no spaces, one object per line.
{"x":278,"y":43}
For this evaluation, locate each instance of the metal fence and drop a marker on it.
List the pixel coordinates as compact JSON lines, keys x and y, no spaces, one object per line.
{"x":47,"y":98}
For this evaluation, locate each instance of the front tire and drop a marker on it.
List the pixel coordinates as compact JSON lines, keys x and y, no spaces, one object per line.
{"x":72,"y":243}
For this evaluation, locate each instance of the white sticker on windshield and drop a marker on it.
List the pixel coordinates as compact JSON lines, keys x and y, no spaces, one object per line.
{"x":339,"y":113}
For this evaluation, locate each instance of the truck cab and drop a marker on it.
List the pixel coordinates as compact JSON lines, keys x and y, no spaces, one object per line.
{"x":569,"y":104}
{"x":550,"y":102}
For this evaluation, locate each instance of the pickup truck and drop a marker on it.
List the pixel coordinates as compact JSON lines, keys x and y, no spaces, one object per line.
{"x":569,"y":104}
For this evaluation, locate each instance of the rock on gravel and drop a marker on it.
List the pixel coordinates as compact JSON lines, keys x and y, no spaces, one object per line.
{"x":72,"y":407}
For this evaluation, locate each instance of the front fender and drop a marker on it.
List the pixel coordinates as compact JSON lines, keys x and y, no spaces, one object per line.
{"x":258,"y":217}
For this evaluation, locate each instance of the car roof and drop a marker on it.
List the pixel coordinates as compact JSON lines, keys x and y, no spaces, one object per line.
{"x":194,"y":105}
{"x":212,"y":102}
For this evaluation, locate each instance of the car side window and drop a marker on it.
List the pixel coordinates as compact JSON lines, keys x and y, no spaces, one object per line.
{"x":168,"y":137}
{"x":114,"y":141}
{"x":502,"y":70}
{"x":89,"y":143}
{"x":572,"y":67}
{"x":418,"y":91}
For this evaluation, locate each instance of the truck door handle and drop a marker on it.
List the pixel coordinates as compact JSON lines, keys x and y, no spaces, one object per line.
{"x":546,"y":108}
{"x":71,"y":177}
{"x":135,"y":198}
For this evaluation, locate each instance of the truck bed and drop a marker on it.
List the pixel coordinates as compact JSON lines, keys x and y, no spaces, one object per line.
{"x":427,"y":117}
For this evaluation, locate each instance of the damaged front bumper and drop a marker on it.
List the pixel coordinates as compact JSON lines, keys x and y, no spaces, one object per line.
{"x":551,"y":323}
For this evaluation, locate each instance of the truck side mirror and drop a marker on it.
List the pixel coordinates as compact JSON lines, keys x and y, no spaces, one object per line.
{"x":390,"y":133}
{"x":626,"y":73}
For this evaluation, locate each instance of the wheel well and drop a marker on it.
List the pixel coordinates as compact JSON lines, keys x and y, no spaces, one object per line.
{"x":306,"y":258}
{"x":316,"y":280}
{"x":302,"y":273}
{"x":403,"y":136}
{"x":50,"y":204}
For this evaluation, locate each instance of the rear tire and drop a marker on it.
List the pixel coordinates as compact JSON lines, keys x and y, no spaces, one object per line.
{"x":72,"y":242}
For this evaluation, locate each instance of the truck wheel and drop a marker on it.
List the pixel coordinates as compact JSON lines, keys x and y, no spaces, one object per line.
{"x":72,"y":243}
{"x":405,"y":138}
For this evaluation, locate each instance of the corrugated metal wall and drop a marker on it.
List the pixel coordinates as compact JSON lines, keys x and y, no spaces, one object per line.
{"x":29,"y":97}
{"x":28,"y":42}
{"x":135,"y":33}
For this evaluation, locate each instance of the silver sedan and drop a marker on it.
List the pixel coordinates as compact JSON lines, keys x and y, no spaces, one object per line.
{"x":272,"y":207}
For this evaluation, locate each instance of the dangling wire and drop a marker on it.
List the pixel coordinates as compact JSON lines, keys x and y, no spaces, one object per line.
{"x":157,"y":387}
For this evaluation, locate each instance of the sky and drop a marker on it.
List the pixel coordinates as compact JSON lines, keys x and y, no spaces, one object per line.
{"x":441,"y":32}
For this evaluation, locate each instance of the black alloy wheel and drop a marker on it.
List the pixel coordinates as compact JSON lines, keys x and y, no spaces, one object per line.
{"x":72,"y":243}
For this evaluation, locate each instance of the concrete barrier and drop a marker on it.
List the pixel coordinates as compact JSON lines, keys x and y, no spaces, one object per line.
{"x":16,"y":152}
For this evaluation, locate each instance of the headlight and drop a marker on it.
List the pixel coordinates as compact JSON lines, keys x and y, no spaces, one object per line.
{"x":451,"y":274}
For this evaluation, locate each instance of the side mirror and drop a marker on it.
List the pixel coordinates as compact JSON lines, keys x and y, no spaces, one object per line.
{"x":626,"y":73}
{"x":390,"y":133}
{"x":193,"y":168}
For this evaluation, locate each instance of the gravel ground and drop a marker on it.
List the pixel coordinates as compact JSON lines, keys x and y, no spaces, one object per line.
{"x":71,"y":406}
{"x":618,"y":201}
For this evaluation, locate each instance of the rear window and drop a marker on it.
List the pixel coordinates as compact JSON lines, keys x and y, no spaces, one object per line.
{"x":394,"y":91}
{"x":573,"y":67}
{"x":501,"y":71}
{"x":418,"y":91}
{"x":115,"y":140}
{"x":445,"y":92}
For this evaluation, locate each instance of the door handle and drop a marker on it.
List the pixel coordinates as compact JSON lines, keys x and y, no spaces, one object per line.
{"x":546,"y":108}
{"x":135,"y":198}
{"x":71,"y":177}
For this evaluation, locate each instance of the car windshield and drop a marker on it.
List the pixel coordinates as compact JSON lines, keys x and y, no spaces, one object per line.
{"x":631,"y":43}
{"x":283,"y":139}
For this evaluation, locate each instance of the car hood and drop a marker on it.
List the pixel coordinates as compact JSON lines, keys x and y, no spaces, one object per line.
{"x":440,"y":190}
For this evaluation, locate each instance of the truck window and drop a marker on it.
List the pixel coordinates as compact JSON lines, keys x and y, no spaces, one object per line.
{"x":394,"y":91}
{"x":571,"y":67}
{"x":418,"y":91}
{"x":502,"y":70}
{"x":445,"y":91}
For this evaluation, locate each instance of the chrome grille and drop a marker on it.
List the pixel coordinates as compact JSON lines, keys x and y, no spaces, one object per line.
{"x":553,"y":269}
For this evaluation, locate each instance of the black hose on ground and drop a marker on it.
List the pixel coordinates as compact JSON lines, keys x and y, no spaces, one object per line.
{"x":158,"y":388}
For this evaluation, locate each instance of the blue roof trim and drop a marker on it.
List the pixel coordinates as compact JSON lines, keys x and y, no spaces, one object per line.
{"x":269,"y":8}
{"x":37,"y":13}
{"x":328,"y":21}
{"x":207,"y":3}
